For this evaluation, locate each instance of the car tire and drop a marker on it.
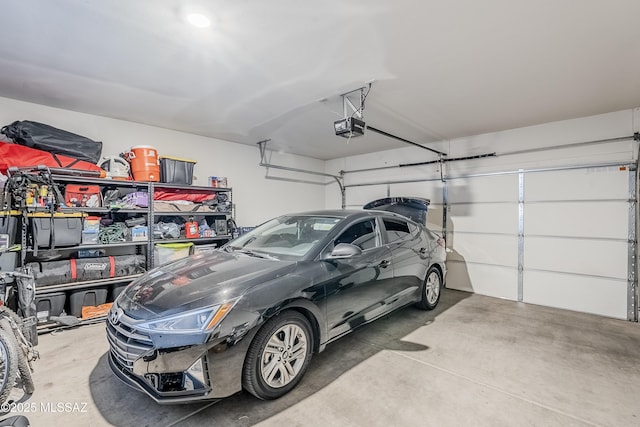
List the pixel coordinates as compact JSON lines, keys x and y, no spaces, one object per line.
{"x":431,"y":289}
{"x":278,"y":356}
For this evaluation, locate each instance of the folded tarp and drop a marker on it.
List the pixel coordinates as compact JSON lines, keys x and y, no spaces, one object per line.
{"x":21,"y":156}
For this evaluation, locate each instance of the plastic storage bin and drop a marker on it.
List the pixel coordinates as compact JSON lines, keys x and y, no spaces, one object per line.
{"x":176,"y":171}
{"x":9,"y":226}
{"x":86,"y":297}
{"x":67,"y":229}
{"x":167,"y":252}
{"x":116,"y":290}
{"x":89,"y":237}
{"x":8,"y":262}
{"x":92,"y":223}
{"x":139,"y":233}
{"x":50,"y":305}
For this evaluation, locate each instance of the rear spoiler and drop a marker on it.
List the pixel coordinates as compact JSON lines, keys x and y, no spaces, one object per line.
{"x":414,"y":208}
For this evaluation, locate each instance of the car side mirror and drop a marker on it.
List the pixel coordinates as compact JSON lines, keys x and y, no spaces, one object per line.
{"x":344,"y":250}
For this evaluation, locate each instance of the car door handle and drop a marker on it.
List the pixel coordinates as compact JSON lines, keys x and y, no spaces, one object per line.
{"x":423,"y":251}
{"x":384,"y":263}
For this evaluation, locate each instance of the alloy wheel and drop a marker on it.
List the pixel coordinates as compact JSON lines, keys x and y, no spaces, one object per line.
{"x":284,"y":355}
{"x":432,"y":287}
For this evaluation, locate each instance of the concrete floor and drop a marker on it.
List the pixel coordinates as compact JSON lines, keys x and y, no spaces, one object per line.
{"x":473,"y":361}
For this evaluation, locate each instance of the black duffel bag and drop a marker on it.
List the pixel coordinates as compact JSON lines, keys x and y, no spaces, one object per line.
{"x":56,"y":141}
{"x":85,"y":269}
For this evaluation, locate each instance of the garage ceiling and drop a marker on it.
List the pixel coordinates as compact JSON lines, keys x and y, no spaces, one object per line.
{"x":275,"y":69}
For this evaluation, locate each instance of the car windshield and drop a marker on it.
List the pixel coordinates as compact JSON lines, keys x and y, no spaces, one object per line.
{"x":286,"y":237}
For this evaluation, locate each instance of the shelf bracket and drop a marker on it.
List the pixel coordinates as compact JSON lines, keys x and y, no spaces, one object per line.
{"x":349,"y":109}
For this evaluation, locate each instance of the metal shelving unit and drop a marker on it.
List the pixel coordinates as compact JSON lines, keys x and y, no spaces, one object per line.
{"x":95,"y":246}
{"x":86,"y":284}
{"x":221,"y":239}
{"x":145,"y":247}
{"x":103,"y":210}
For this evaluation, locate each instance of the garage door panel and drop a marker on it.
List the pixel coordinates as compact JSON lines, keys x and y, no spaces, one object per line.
{"x":605,"y":297}
{"x":434,"y":217}
{"x":484,"y":248}
{"x":495,"y":188}
{"x":579,"y":184}
{"x":581,"y":256}
{"x":499,"y":282}
{"x":360,"y":196}
{"x":431,"y":190}
{"x":583,"y":219}
{"x":485,"y":218}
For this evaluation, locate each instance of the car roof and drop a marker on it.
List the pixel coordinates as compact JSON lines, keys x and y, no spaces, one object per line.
{"x":351,"y":213}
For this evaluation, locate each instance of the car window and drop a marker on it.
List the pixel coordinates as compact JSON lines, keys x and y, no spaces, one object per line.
{"x":286,"y":237}
{"x":396,"y":229}
{"x":285,"y":230}
{"x":414,"y":229}
{"x":363,"y":234}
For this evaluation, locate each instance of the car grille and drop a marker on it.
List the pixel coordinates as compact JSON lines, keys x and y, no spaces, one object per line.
{"x":127,"y":344}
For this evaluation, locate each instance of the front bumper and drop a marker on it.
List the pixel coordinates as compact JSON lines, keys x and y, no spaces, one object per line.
{"x":141,"y":384}
{"x":167,"y":375}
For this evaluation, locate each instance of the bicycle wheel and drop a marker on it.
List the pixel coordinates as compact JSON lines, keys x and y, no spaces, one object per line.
{"x":22,"y":356}
{"x":8,"y":365}
{"x":14,"y":316}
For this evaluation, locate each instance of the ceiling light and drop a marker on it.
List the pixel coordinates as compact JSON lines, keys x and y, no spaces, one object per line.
{"x":198,"y":20}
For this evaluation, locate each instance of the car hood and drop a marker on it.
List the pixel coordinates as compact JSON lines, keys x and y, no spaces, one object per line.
{"x":197,"y":281}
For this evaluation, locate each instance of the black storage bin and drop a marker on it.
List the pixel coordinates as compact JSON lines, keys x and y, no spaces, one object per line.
{"x":48,"y":305}
{"x":9,"y":226}
{"x":116,"y":290}
{"x":64,"y":230}
{"x":176,"y":171}
{"x":86,"y":297}
{"x":8,"y":262}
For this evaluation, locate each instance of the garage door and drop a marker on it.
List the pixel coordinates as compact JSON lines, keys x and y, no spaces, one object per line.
{"x":482,"y":235}
{"x":558,"y":238}
{"x":576,"y":228}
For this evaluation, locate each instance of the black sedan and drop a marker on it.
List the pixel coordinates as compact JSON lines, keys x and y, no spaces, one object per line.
{"x":251,"y":314}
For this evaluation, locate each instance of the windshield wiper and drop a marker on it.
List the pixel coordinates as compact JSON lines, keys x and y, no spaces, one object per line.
{"x":256,"y":254}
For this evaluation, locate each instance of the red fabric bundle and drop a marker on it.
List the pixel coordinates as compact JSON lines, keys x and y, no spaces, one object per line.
{"x":21,"y":156}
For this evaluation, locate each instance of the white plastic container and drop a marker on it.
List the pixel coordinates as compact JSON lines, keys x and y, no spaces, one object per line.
{"x":167,"y":252}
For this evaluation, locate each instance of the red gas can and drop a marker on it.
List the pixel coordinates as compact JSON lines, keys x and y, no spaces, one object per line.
{"x":191,"y":229}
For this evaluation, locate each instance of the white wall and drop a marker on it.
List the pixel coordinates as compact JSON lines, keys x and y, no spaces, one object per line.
{"x":256,"y":199}
{"x":575,"y":221}
{"x":572,"y":257}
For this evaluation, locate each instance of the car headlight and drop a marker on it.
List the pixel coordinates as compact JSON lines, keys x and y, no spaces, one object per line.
{"x":200,"y":320}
